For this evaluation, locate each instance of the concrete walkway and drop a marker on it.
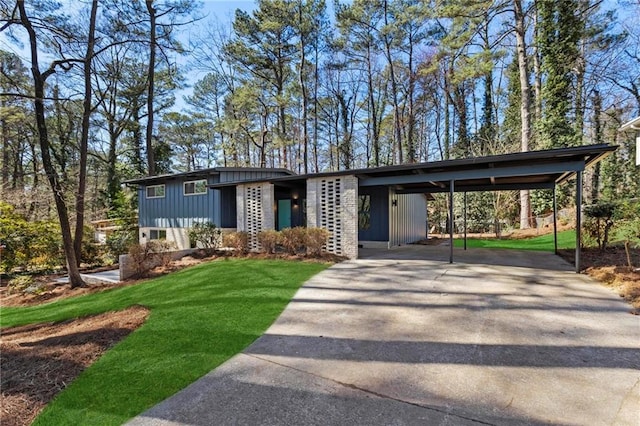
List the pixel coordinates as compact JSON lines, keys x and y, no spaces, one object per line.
{"x":499,"y":337}
{"x":110,"y":277}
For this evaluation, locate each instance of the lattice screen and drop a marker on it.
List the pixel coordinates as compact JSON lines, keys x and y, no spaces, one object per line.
{"x":330,"y":213}
{"x":254,"y":215}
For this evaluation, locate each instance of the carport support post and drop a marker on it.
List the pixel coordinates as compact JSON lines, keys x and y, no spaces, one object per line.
{"x":451,"y":190}
{"x":578,"y":217}
{"x":555,"y":222}
{"x":465,"y":220}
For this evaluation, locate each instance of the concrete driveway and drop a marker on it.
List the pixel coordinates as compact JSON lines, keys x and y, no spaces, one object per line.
{"x":499,"y":337}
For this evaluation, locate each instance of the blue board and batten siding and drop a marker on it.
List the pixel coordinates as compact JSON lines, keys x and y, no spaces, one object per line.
{"x":176,"y":210}
{"x":379,"y":217}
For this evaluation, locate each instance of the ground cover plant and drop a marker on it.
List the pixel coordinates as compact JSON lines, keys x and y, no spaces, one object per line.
{"x":199,"y":317}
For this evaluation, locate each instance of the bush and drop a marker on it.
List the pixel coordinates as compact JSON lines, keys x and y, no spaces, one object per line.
{"x":315,"y":240}
{"x":146,"y":256}
{"x":239,"y":241}
{"x":600,"y":219}
{"x":294,"y":239}
{"x":20,"y":283}
{"x":269,"y":240}
{"x":120,"y":241}
{"x":90,"y":252}
{"x":29,"y":245}
{"x":206,"y":234}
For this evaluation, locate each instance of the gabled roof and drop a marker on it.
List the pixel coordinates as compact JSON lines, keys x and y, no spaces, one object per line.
{"x":202,"y":173}
{"x":520,"y":170}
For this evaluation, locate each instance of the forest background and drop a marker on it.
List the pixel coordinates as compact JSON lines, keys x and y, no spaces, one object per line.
{"x":88,"y":97}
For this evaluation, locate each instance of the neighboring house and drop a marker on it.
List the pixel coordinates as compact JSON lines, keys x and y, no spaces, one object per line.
{"x":103,"y":228}
{"x":168,"y":205}
{"x":372,"y":207}
{"x":634,"y":125}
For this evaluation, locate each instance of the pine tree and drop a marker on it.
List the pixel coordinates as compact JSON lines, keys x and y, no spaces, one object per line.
{"x":557,"y":39}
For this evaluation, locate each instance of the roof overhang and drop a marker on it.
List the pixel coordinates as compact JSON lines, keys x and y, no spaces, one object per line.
{"x":200,"y":174}
{"x":517,"y":171}
{"x":522,"y":170}
{"x":631,"y":125}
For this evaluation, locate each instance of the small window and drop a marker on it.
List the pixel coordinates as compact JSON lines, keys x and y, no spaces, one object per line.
{"x":155,"y":191}
{"x":195,"y":187}
{"x":157,"y":234}
{"x":364,"y":212}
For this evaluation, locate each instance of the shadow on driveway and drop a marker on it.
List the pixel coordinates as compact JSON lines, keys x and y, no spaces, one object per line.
{"x":499,"y":337}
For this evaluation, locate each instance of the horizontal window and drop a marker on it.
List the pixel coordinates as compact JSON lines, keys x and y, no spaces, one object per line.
{"x":155,"y":191}
{"x":195,"y":187}
{"x":157,"y":234}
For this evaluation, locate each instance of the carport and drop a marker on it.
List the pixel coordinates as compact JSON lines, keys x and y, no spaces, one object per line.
{"x":544,"y":169}
{"x":331,"y":199}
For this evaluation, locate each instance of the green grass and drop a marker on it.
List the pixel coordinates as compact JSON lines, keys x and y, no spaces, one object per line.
{"x":199,"y":318}
{"x":566,"y":240}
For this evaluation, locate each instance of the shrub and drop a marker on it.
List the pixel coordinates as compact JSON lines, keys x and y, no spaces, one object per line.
{"x":120,"y":241}
{"x":315,"y":240}
{"x":146,"y":256}
{"x":629,"y":232}
{"x":269,"y":239}
{"x":205,"y":234}
{"x":20,"y":283}
{"x":90,"y":252}
{"x":600,"y":218}
{"x":28,"y":245}
{"x":239,"y":241}
{"x":293,"y":239}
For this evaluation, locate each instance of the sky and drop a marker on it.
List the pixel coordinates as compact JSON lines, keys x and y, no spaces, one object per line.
{"x":220,"y":12}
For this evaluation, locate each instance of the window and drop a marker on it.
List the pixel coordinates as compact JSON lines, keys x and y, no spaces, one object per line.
{"x":157,"y":234}
{"x":195,"y":187}
{"x":364,"y":212}
{"x":155,"y":191}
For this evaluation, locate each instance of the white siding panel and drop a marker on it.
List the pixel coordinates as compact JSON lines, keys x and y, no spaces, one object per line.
{"x":407,"y":218}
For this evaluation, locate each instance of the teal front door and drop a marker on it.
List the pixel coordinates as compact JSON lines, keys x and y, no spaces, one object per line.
{"x":284,"y":214}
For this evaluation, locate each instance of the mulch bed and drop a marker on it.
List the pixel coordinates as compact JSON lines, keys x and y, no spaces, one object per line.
{"x":611,"y":269}
{"x":38,"y":361}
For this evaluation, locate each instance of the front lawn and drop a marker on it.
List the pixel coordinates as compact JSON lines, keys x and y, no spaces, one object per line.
{"x":566,"y":240}
{"x":199,"y":318}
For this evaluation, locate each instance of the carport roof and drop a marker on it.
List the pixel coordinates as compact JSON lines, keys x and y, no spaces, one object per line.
{"x":522,"y":170}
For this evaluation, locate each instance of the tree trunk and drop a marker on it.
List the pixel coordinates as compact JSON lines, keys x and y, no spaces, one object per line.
{"x":136,"y":135}
{"x":411,"y":119}
{"x":394,"y":90}
{"x":373,"y":114}
{"x":5,"y":147}
{"x":316,"y":121}
{"x":84,"y":140}
{"x":525,"y":104}
{"x":45,"y":149}
{"x":537,"y":71}
{"x":151,"y":164}
{"x":597,"y":138}
{"x":303,"y":90}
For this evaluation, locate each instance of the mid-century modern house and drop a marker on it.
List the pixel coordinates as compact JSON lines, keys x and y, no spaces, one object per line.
{"x":373,"y":207}
{"x":168,"y":205}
